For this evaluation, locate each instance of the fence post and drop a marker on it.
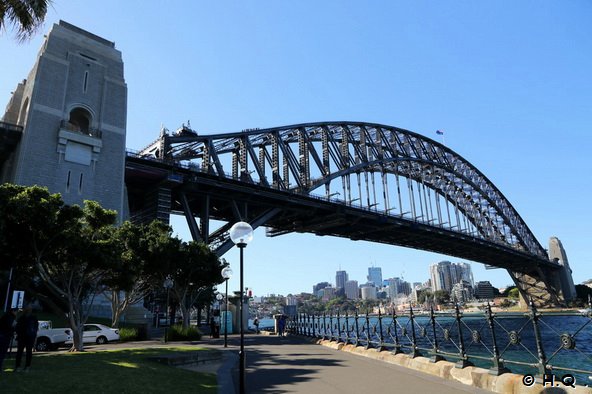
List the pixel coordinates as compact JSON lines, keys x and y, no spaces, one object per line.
{"x":498,"y":366}
{"x":380,"y":335}
{"x":330,"y":326}
{"x":397,"y":348}
{"x":543,"y":369}
{"x":357,"y":329}
{"x":436,"y":357}
{"x":338,"y":328}
{"x":347,"y":338}
{"x":414,"y":352}
{"x":367,"y":325}
{"x":463,"y":362}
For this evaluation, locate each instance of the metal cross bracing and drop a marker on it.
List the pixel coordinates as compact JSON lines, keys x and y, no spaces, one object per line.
{"x":357,"y":180}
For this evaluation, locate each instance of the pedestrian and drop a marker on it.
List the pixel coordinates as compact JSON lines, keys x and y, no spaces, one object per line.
{"x":256,"y":324}
{"x":7,"y":323}
{"x":212,"y":327}
{"x":26,"y":333}
{"x":281,"y":325}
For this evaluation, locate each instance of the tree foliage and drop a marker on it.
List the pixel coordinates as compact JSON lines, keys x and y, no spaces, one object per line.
{"x":24,"y":16}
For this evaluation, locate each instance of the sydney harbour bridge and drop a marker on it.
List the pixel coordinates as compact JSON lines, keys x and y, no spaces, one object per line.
{"x":360,"y":181}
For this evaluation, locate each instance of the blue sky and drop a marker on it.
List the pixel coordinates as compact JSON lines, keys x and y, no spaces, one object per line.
{"x":509,"y":83}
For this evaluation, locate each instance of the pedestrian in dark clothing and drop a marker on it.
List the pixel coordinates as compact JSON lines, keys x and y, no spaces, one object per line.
{"x":256,"y":324}
{"x":26,"y":333}
{"x":7,"y":323}
{"x":281,"y":325}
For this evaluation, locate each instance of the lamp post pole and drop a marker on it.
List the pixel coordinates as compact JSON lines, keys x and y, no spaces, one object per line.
{"x":241,"y":234}
{"x":168,"y":283}
{"x":226,"y":274}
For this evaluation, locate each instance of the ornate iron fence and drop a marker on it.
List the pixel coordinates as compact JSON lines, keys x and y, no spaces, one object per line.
{"x":526,"y":342}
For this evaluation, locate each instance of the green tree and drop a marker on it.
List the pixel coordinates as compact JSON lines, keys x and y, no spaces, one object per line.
{"x":514,"y":293}
{"x":196,"y":271}
{"x":442,"y":297}
{"x":424,"y":296}
{"x":134,"y":281}
{"x":83,"y":263}
{"x":25,"y":16}
{"x":72,"y":251}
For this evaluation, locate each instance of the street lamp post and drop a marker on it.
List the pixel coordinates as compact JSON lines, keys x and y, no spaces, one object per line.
{"x":226,"y":274}
{"x":219,"y":298}
{"x":168,"y":284}
{"x":241,"y":234}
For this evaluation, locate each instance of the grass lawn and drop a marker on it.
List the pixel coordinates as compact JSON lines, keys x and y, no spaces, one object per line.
{"x":114,"y":371}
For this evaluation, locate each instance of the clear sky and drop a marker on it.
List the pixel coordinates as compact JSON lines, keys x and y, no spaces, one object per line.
{"x":509,"y":83}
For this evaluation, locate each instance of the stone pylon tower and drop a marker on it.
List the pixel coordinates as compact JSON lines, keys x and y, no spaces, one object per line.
{"x":72,"y":108}
{"x":557,"y":253}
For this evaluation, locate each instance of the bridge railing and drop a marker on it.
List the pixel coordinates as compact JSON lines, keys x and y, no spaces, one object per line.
{"x":531,"y":342}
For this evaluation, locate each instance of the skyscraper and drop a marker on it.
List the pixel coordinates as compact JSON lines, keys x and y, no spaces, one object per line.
{"x":340,"y":279}
{"x":375,"y":276}
{"x":444,"y":275}
{"x":352,"y":291}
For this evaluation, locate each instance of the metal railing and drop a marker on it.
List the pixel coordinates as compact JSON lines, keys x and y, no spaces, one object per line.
{"x":10,"y":127}
{"x":532,"y":341}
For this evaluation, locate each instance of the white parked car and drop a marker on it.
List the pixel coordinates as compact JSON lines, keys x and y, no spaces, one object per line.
{"x":99,"y":333}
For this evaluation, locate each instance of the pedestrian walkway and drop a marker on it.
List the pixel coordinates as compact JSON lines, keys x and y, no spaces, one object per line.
{"x":295,"y":365}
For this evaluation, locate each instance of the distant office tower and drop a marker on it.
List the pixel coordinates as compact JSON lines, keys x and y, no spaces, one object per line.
{"x":462,"y":292}
{"x":368,"y":292}
{"x":444,"y":275}
{"x":484,"y":290}
{"x":397,"y":287}
{"x":72,"y":108}
{"x":375,"y":276}
{"x":441,"y":276}
{"x":291,"y":300}
{"x":352,"y":291}
{"x":328,"y":293}
{"x":316,"y":289}
{"x":340,"y":279}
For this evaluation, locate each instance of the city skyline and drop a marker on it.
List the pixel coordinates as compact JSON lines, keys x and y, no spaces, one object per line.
{"x":509,"y":88}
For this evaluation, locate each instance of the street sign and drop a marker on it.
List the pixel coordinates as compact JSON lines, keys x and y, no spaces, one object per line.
{"x":18,"y":298}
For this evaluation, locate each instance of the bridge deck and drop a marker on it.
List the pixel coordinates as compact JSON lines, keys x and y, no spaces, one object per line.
{"x":308,"y":214}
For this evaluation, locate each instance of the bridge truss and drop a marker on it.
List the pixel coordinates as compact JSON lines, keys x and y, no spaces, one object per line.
{"x":350,"y":179}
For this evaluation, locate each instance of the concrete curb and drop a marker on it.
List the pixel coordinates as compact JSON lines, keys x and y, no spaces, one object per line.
{"x":472,"y":376}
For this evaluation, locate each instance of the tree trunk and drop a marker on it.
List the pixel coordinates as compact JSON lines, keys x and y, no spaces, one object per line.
{"x":77,"y":328}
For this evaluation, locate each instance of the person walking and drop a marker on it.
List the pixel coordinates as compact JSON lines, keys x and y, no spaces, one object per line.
{"x":7,"y":323}
{"x":282,"y":325}
{"x":26,"y":333}
{"x":256,"y":324}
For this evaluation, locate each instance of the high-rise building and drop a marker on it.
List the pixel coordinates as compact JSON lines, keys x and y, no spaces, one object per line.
{"x":484,"y":290}
{"x":461,"y":292}
{"x":340,"y":278}
{"x":316,"y":289}
{"x":444,"y":275}
{"x":328,"y":293}
{"x":368,"y":292}
{"x":441,"y":276}
{"x":375,"y":276}
{"x":352,"y":291}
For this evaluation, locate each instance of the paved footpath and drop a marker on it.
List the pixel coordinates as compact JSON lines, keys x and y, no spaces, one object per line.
{"x":294,"y":365}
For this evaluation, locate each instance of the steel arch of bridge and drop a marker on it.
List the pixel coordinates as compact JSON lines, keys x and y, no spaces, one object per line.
{"x":376,"y":168}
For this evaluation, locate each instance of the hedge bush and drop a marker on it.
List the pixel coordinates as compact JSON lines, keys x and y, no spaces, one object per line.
{"x":178,"y":333}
